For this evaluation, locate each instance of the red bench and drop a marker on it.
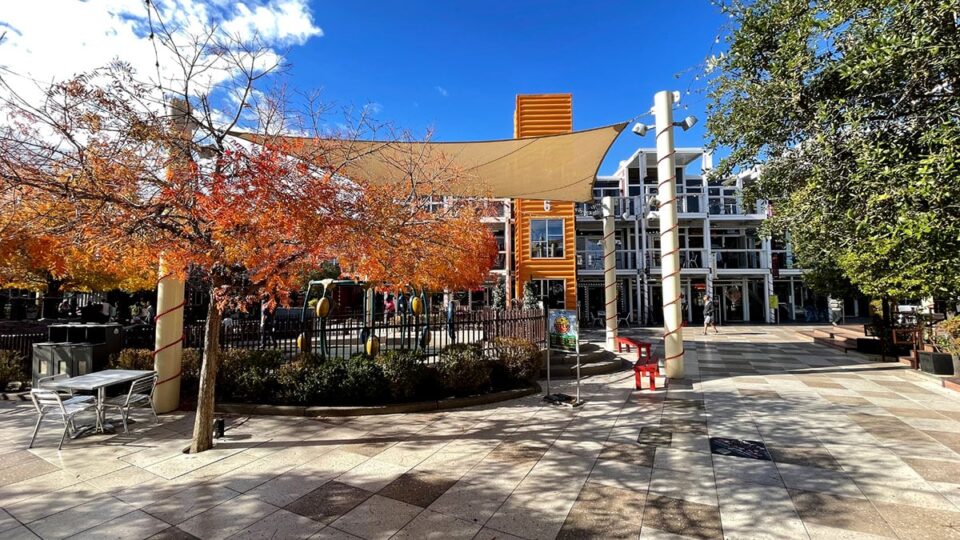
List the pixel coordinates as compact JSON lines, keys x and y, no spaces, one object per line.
{"x":646,"y":364}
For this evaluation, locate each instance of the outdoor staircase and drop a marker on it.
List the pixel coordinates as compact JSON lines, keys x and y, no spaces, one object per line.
{"x":843,"y":339}
{"x":594,"y":360}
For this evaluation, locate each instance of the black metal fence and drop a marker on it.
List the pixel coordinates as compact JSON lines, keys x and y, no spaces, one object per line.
{"x":346,"y":336}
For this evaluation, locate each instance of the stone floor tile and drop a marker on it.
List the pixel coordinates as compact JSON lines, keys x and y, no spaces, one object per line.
{"x":418,"y":488}
{"x":377,"y":518}
{"x":297,"y":482}
{"x":745,"y":470}
{"x":229,"y":518}
{"x":817,"y":456}
{"x":430,"y":525}
{"x":332,"y":533}
{"x":655,"y":436}
{"x":7,"y":521}
{"x":280,"y":524}
{"x":80,"y":518}
{"x":601,"y":511}
{"x":19,"y":532}
{"x":681,"y":460}
{"x":620,"y":474}
{"x":840,"y":512}
{"x":492,"y":534}
{"x":131,"y":526}
{"x":635,"y":454}
{"x":907,"y":493}
{"x":758,"y":511}
{"x":372,"y":475}
{"x":690,"y":486}
{"x":328,"y":502}
{"x":185,"y":504}
{"x":820,"y":480}
{"x":681,"y":517}
{"x":935,"y":470}
{"x":914,"y":522}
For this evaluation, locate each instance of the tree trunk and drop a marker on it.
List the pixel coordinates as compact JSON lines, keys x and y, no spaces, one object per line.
{"x":203,"y":425}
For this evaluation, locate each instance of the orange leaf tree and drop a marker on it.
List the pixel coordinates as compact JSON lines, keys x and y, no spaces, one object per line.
{"x":142,"y":181}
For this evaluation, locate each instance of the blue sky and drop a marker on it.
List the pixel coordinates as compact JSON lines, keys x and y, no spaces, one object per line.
{"x":456,"y":66}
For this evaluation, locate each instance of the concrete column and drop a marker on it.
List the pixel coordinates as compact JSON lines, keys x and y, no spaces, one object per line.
{"x":609,"y":271}
{"x":168,"y":344}
{"x":669,"y":235}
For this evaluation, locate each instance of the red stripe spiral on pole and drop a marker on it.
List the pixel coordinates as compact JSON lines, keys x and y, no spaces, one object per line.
{"x":179,"y":340}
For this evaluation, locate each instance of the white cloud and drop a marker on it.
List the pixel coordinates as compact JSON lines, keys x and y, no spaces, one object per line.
{"x":442,"y":91}
{"x":48,"y":40}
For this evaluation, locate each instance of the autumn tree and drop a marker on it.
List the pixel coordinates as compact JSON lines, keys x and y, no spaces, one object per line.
{"x":37,"y":253}
{"x":139,"y":175}
{"x":852,"y":108}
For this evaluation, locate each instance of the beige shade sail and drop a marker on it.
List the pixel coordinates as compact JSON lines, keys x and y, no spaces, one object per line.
{"x":555,"y":167}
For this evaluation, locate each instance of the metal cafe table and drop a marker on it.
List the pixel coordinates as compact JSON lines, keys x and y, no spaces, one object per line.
{"x":98,"y":382}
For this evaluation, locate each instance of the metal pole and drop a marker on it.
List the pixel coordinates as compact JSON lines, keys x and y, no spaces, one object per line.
{"x":609,"y":271}
{"x":546,"y":335}
{"x":669,"y":235}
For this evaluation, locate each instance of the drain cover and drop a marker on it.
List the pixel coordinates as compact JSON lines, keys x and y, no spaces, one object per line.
{"x":739,"y":448}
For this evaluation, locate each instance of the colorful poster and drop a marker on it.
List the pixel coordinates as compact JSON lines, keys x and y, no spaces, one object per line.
{"x":562,"y":328}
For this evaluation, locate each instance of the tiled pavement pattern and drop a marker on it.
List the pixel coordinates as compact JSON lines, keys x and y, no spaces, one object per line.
{"x":858,"y":450}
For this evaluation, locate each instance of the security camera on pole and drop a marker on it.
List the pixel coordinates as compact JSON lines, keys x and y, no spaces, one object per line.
{"x":669,"y":234}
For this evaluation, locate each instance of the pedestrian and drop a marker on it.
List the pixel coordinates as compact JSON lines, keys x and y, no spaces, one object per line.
{"x":709,"y":314}
{"x":836,"y":310}
{"x":267,"y":326}
{"x":389,"y":309}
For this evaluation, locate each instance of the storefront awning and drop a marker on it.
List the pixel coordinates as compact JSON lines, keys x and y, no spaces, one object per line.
{"x":555,"y":167}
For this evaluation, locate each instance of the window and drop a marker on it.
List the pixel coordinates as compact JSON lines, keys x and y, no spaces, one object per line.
{"x":551,"y":292}
{"x":546,"y":238}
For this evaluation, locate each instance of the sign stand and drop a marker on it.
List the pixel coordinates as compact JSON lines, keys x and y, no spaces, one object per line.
{"x":562,"y":327}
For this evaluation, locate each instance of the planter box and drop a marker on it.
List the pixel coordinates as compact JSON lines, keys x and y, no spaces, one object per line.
{"x":936,"y":363}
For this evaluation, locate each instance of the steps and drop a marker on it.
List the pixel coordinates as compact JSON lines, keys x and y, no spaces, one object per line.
{"x":952,"y":383}
{"x":594,"y":360}
{"x":840,"y":338}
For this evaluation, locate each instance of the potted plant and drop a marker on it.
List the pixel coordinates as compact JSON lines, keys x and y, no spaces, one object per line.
{"x":946,"y":339}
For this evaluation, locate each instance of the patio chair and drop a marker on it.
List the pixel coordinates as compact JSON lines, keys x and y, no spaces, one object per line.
{"x":49,"y":401}
{"x":140,"y":395}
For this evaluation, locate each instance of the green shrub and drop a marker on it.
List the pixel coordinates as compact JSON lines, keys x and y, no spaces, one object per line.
{"x":404,"y":373}
{"x":365,"y":381}
{"x":463,"y":369}
{"x":519,"y":357}
{"x":302,"y":381}
{"x":190,"y":373}
{"x":11,"y":368}
{"x":249,"y":375}
{"x":134,"y":359}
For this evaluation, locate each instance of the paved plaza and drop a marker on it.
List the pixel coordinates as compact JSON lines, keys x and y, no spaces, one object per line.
{"x":841,"y":448}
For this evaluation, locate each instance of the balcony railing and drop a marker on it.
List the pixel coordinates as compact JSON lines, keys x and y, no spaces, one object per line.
{"x":689,"y":258}
{"x":593,"y":260}
{"x":740,"y":259}
{"x":622,"y":206}
{"x":784,"y":259}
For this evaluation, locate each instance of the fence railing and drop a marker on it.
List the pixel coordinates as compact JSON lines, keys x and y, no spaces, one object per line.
{"x":344,"y":337}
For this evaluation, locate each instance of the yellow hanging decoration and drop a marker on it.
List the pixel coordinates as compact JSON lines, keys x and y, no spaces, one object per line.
{"x":323,"y":307}
{"x":373,"y":346}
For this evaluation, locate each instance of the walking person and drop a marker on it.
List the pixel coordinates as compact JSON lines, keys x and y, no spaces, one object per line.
{"x":836,"y":310}
{"x":709,"y":314}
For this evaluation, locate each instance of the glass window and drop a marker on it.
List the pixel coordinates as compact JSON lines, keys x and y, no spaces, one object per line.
{"x":551,"y":292}
{"x":546,"y":238}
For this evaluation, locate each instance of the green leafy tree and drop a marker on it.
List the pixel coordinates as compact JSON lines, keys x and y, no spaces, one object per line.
{"x":499,"y":294}
{"x":529,"y":295}
{"x":852,"y":108}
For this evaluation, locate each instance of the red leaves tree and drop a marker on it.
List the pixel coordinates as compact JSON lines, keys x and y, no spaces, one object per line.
{"x":140,"y":180}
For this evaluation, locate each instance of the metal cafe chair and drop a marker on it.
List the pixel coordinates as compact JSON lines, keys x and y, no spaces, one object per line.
{"x":48,"y":401}
{"x":140,"y":395}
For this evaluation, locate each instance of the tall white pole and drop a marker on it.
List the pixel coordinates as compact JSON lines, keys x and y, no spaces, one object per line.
{"x":669,"y":235}
{"x":168,"y":337}
{"x":168,"y":344}
{"x":609,"y":271}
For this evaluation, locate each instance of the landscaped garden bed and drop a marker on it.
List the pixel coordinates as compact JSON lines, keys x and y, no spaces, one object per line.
{"x":268,"y":378}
